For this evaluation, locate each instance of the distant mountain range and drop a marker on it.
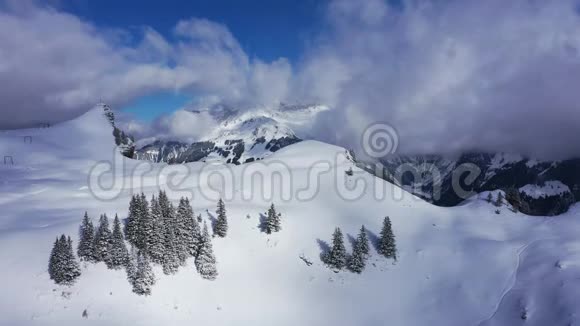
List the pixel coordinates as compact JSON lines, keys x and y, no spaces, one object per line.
{"x":533,"y":187}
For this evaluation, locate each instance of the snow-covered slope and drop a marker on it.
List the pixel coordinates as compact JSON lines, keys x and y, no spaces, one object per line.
{"x":548,"y":189}
{"x":464,"y":265}
{"x":240,"y":136}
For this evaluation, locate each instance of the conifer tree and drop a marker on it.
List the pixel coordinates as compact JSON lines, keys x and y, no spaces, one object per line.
{"x":337,"y":256}
{"x":102,"y":239}
{"x":170,"y":258}
{"x":363,"y":239}
{"x":387,"y":246}
{"x":86,"y":247}
{"x":143,"y":222}
{"x":489,"y":197}
{"x":167,"y":210}
{"x":205,"y":261}
{"x":273,"y":223}
{"x":63,"y":267}
{"x":132,"y":221}
{"x":118,"y":254}
{"x":54,"y":261}
{"x":73,"y":270}
{"x":132,"y":265}
{"x":499,"y":200}
{"x":198,"y":234}
{"x":192,"y":231}
{"x":182,"y":237}
{"x":221,"y":225}
{"x":357,"y":261}
{"x":144,"y":278}
{"x":156,"y":239}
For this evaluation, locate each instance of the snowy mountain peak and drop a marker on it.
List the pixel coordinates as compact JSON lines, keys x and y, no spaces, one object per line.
{"x":239,"y":136}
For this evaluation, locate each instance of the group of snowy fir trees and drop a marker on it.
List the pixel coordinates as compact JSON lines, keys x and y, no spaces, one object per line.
{"x":157,"y":232}
{"x":338,"y":258}
{"x":498,"y":200}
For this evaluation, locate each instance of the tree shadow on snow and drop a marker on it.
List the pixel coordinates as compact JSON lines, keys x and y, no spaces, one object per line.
{"x":212,"y":219}
{"x":324,"y":249}
{"x":262,"y":223}
{"x":351,"y":239}
{"x":374,"y":239}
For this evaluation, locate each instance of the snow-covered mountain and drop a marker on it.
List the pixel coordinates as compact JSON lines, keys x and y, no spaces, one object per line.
{"x":249,"y":135}
{"x":463,"y":265}
{"x":240,"y":136}
{"x":535,"y":187}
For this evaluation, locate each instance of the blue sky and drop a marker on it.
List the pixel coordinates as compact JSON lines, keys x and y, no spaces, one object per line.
{"x":265,"y":29}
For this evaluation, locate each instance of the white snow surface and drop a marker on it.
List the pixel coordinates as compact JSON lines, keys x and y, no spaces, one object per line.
{"x":548,"y":189}
{"x":464,"y":265}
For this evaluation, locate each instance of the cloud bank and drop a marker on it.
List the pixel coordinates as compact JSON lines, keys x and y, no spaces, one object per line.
{"x":455,"y":76}
{"x":54,"y":66}
{"x":449,"y":76}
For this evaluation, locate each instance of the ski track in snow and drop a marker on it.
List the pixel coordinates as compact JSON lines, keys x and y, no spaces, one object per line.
{"x":513,"y":279}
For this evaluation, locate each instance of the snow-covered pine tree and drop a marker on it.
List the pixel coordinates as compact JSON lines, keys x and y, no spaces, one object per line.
{"x":144,"y":278}
{"x":86,"y":247}
{"x":499,"y":199}
{"x":63,"y":267}
{"x":102,"y":239}
{"x":182,"y":238}
{"x":132,"y":221}
{"x":363,"y":239}
{"x":205,"y":261}
{"x":143,"y":222}
{"x":118,"y":254}
{"x":387,"y":245}
{"x":55,"y":262}
{"x":273,"y":223}
{"x":337,"y":256}
{"x":199,"y":234}
{"x":132,"y":265}
{"x":167,"y":210}
{"x":170,"y":258}
{"x":221,"y":225}
{"x":192,"y":234}
{"x":156,"y":240}
{"x":489,"y":197}
{"x":357,"y":261}
{"x":71,"y":267}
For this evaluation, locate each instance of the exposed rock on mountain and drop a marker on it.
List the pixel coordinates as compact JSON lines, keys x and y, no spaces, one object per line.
{"x":537,"y":187}
{"x":241,"y":136}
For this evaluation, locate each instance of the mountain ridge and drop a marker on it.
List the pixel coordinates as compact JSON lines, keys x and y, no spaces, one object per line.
{"x":528,"y":183}
{"x":241,"y":136}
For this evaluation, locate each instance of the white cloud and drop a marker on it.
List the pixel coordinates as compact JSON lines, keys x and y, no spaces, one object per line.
{"x":454,"y":75}
{"x":188,"y":126}
{"x":54,"y":66}
{"x":449,"y":76}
